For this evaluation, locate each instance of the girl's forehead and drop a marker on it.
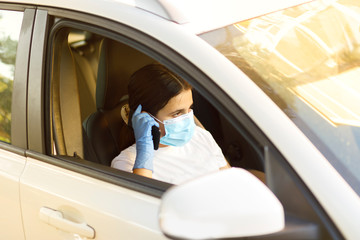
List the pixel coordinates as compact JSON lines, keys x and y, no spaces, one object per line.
{"x":181,"y":101}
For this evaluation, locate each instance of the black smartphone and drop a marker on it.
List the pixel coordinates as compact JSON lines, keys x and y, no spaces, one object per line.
{"x":155,"y":131}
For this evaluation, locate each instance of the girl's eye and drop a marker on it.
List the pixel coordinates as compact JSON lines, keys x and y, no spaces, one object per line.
{"x":176,"y":114}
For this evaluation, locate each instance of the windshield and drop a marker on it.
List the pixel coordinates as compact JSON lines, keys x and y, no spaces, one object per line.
{"x":307,"y":59}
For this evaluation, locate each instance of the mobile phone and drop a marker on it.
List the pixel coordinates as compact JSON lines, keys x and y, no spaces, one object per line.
{"x":155,"y":131}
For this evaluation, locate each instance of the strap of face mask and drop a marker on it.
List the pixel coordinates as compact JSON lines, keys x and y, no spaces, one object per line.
{"x":155,"y":118}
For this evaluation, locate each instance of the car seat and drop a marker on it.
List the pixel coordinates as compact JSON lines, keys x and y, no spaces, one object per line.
{"x":117,"y":62}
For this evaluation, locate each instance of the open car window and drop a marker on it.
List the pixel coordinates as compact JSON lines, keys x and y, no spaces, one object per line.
{"x":89,"y":79}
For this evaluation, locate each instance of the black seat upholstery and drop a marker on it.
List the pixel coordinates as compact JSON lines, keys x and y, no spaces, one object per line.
{"x":102,"y":127}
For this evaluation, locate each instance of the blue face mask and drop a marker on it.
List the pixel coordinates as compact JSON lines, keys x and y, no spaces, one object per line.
{"x":179,"y":130}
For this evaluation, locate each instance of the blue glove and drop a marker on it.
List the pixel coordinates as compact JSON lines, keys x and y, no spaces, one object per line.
{"x":142,"y":124}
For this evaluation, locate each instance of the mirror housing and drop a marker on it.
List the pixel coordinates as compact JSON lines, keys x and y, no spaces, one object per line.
{"x":229,"y":203}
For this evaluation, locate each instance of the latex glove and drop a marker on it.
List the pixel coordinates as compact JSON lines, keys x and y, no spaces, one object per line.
{"x":142,"y":124}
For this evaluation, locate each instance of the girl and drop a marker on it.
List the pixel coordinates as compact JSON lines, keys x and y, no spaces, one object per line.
{"x":157,"y":97}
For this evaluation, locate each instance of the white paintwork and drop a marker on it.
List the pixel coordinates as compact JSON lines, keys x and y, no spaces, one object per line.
{"x":198,"y":15}
{"x":218,"y":208}
{"x":113,"y":212}
{"x":11,"y":167}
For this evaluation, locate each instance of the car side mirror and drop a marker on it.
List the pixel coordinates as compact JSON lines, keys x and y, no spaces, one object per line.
{"x":229,"y":203}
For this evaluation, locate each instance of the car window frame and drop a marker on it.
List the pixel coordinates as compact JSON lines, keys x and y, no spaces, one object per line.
{"x":153,"y":48}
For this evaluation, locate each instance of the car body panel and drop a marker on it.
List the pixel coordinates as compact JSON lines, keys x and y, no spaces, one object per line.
{"x":11,"y":168}
{"x":107,"y":207}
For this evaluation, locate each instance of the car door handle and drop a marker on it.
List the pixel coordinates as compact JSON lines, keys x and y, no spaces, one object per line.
{"x":56,"y":219}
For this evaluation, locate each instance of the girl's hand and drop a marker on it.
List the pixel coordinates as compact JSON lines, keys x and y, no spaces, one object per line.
{"x":142,"y":124}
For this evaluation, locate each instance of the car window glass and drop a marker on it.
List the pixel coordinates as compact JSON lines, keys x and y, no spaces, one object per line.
{"x":10,"y":24}
{"x":306,"y":59}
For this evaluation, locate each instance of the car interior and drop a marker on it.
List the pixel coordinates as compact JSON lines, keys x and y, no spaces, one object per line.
{"x":89,"y":79}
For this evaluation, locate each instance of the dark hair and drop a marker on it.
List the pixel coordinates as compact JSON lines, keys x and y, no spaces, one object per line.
{"x":151,"y":86}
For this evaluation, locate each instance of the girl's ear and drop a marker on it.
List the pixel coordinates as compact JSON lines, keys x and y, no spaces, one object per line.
{"x":125,"y":112}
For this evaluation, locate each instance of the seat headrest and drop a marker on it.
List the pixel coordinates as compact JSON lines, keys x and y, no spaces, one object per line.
{"x":117,"y":63}
{"x":108,"y":83}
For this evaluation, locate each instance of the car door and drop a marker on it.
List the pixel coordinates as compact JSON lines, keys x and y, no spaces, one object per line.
{"x":64,"y":196}
{"x":14,"y":41}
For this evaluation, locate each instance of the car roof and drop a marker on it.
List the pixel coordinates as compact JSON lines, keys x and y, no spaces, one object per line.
{"x":196,"y":15}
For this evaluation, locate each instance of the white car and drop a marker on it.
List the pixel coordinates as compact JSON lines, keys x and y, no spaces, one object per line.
{"x":275,"y":82}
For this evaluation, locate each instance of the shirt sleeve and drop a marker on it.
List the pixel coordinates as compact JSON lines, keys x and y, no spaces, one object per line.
{"x":125,"y":160}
